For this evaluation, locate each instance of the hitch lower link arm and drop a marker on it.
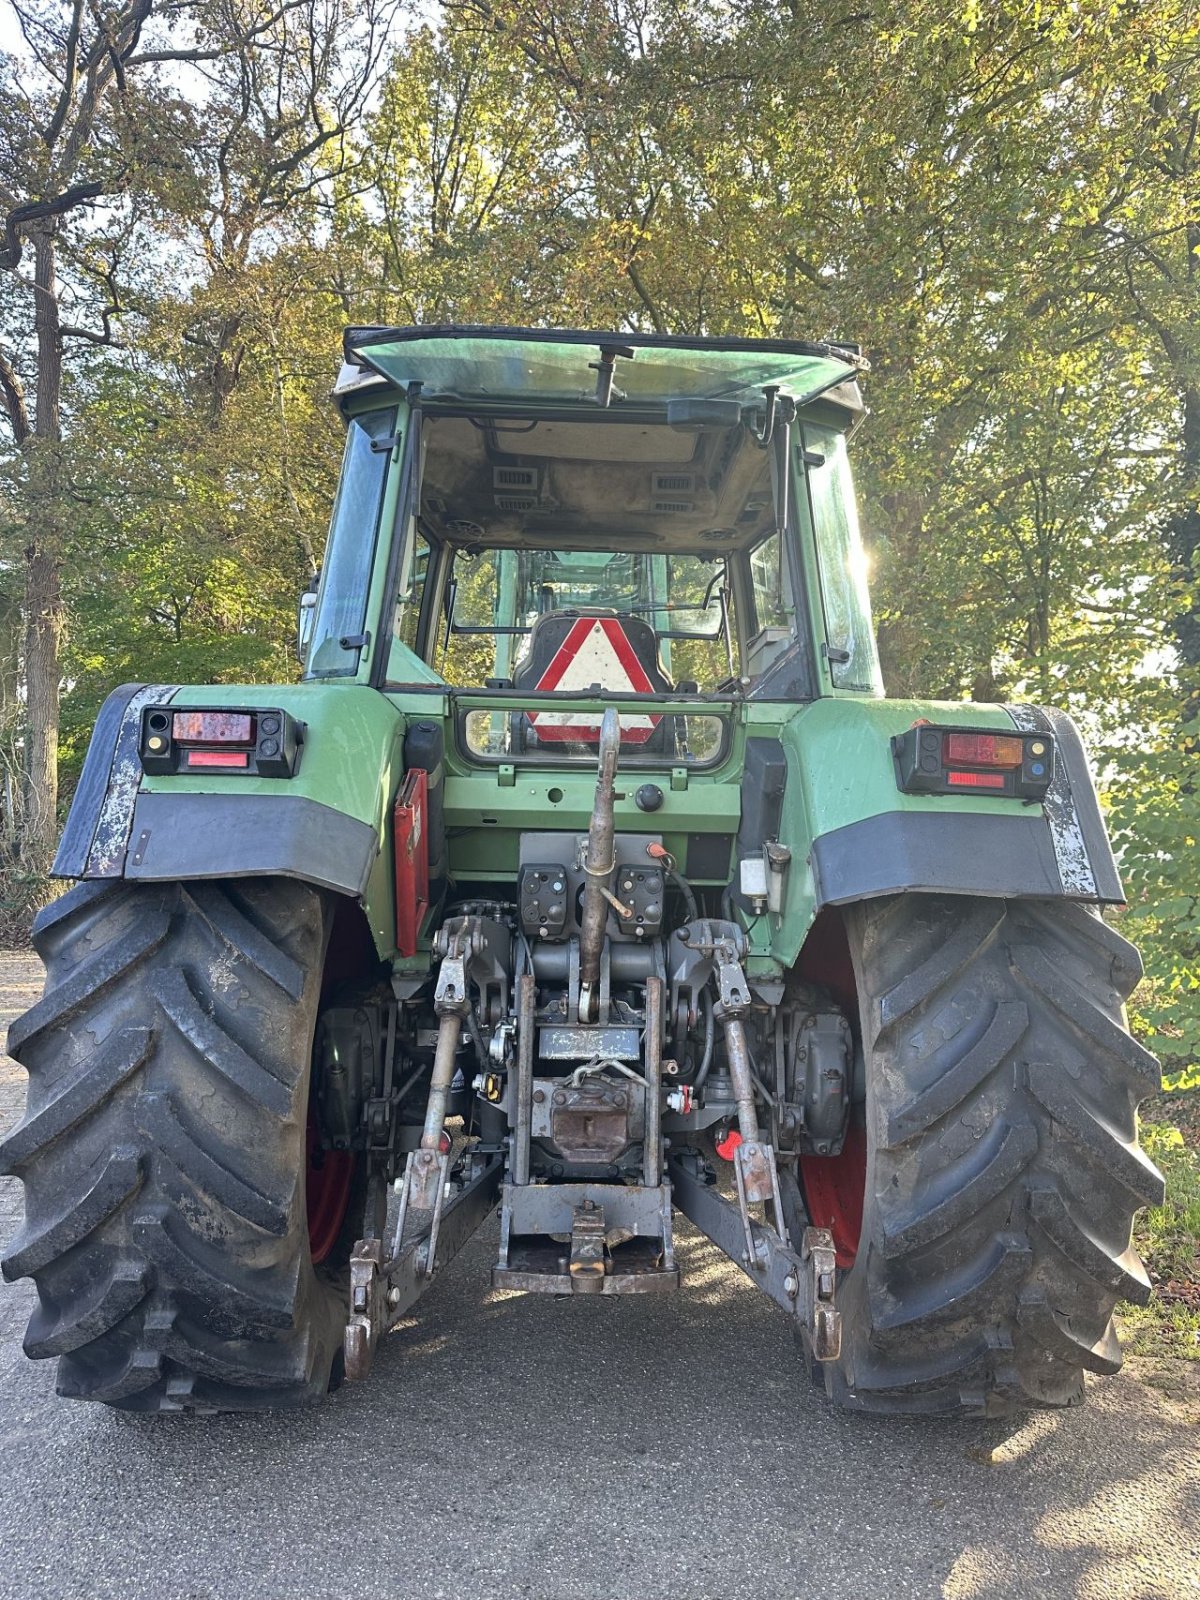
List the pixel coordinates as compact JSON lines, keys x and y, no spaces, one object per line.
{"x":801,"y":1282}
{"x":383,"y":1288}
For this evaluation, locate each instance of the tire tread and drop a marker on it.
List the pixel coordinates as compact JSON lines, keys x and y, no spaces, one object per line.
{"x":163,"y":1147}
{"x":1003,"y":1164}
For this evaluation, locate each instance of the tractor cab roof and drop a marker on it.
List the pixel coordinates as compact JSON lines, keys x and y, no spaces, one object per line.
{"x":569,"y":367}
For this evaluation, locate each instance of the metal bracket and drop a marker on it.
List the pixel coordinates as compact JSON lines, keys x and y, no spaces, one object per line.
{"x":605,"y":369}
{"x":757,"y":1175}
{"x":450,"y":993}
{"x":587,"y":1265}
{"x":733,"y":991}
{"x":620,"y":1239}
{"x":824,"y":1319}
{"x":416,"y":1181}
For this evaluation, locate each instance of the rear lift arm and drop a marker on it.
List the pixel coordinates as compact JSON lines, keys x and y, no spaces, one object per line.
{"x":802,"y":1283}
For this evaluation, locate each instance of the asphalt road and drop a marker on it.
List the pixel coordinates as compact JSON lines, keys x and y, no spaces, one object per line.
{"x":586,"y":1450}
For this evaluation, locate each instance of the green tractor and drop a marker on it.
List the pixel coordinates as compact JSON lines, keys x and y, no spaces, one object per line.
{"x":586,"y":873}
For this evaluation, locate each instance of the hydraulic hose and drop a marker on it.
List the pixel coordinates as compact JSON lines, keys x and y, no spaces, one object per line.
{"x":670,"y":867}
{"x":689,"y":898}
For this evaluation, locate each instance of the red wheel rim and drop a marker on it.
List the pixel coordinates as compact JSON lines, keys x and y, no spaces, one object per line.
{"x":834,"y":1187}
{"x":327,"y":1193}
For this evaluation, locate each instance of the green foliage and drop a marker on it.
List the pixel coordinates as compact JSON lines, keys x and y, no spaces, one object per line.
{"x":1156,"y":812}
{"x":1166,"y":1237}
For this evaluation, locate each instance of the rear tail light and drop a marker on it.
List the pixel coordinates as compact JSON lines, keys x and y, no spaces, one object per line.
{"x":260,"y":741}
{"x":931,"y":760}
{"x":983,"y":750}
{"x":213,"y":727}
{"x":217,"y":758}
{"x":976,"y":780}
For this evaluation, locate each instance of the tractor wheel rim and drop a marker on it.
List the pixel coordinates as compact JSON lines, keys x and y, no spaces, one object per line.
{"x":834,"y":1189}
{"x":327,"y":1194}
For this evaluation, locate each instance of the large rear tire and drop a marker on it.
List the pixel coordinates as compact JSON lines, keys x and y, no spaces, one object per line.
{"x":1002,"y":1165}
{"x":163,"y":1148}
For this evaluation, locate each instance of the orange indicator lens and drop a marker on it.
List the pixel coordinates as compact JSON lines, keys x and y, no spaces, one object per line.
{"x":214,"y":727}
{"x":976,"y":780}
{"x":984,"y":750}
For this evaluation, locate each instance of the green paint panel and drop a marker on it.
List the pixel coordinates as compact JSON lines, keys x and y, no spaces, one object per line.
{"x":840,"y":753}
{"x":840,"y":770}
{"x":486,"y":815}
{"x":489,"y":805}
{"x":351,"y":756}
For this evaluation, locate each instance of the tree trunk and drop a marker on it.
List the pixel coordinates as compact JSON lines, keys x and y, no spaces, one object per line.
{"x":1183,"y":528}
{"x":43,"y":569}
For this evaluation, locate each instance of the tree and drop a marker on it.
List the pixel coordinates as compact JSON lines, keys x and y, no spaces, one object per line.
{"x":55,"y":159}
{"x":89,"y":115}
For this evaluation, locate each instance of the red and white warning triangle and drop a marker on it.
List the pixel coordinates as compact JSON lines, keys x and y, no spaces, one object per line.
{"x":596,"y":650}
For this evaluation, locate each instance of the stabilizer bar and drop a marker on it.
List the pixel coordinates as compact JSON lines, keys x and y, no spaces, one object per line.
{"x":802,"y":1284}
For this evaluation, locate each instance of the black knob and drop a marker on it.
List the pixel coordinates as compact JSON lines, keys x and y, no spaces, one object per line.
{"x":649,"y":797}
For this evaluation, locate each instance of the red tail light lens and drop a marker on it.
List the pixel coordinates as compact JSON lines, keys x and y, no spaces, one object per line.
{"x":239,"y":759}
{"x":977,"y":780}
{"x":212,"y":727}
{"x":982,"y":750}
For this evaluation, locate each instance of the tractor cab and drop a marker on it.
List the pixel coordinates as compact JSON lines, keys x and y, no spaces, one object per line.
{"x":657,"y":520}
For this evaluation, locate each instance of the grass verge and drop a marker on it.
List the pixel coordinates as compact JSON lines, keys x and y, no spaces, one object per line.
{"x":1168,"y":1236}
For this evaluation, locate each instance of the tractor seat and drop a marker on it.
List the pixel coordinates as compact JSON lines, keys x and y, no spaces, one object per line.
{"x":546,"y":639}
{"x":550,"y":632}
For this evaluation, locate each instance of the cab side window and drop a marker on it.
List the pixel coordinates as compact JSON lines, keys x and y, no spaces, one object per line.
{"x":414,"y":574}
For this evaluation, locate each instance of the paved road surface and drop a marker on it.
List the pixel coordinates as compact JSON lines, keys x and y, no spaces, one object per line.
{"x":561,"y":1450}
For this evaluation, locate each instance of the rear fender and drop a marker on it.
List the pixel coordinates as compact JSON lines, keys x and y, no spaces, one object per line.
{"x":329,"y":824}
{"x":854,"y":835}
